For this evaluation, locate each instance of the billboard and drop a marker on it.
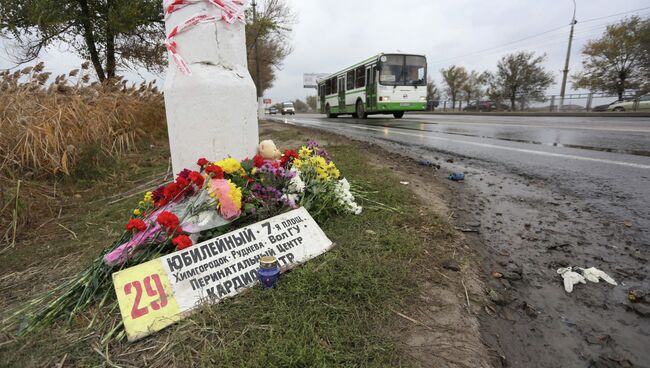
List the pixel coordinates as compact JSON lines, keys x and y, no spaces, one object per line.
{"x":310,"y":80}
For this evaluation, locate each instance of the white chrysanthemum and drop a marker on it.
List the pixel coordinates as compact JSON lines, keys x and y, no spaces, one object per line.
{"x":296,"y":185}
{"x":345,"y":197}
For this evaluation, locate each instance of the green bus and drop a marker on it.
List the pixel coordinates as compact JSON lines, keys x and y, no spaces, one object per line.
{"x":383,"y":84}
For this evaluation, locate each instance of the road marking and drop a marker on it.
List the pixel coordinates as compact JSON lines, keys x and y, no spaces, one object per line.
{"x":605,"y":129}
{"x":488,"y":145}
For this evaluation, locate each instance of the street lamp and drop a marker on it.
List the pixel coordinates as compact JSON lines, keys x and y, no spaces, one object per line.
{"x":565,"y":72}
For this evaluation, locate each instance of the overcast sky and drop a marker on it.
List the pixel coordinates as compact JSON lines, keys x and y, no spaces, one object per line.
{"x":334,"y":34}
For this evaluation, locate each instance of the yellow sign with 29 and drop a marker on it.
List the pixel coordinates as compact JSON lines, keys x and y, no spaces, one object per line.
{"x":146,"y":299}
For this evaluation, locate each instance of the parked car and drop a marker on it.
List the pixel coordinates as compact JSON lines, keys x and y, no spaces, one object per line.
{"x":641,"y":103}
{"x":483,"y":106}
{"x":287,"y":108}
{"x":273,"y":110}
{"x":604,"y":107}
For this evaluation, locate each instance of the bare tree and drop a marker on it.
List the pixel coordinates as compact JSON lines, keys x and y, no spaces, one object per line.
{"x":271,"y":32}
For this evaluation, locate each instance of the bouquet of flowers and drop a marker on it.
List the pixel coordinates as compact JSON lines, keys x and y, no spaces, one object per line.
{"x":200,"y":204}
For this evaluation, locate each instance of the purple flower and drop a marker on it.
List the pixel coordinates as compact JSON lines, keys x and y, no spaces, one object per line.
{"x":311,"y":144}
{"x":324,"y":154}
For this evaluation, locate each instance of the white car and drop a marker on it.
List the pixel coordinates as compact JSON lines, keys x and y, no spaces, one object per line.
{"x":287,"y":108}
{"x":642,"y":103}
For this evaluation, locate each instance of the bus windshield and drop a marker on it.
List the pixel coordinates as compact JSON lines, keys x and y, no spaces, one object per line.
{"x":403,"y":70}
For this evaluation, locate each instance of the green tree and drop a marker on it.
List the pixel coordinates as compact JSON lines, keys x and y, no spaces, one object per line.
{"x":107,"y":32}
{"x":312,"y":102}
{"x":520,"y":78}
{"x":617,"y":61}
{"x":472,"y":89}
{"x":454,"y":78}
{"x":271,"y":33}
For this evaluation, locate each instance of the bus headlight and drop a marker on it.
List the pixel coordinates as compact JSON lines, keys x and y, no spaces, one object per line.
{"x":384,"y":98}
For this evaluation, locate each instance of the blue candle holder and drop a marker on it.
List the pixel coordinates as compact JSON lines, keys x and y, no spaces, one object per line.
{"x":268,"y":272}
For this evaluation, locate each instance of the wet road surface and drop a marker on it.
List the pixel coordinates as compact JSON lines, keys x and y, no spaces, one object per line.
{"x":543,"y":193}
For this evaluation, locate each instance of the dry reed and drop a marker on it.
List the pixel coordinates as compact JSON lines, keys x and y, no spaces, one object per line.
{"x":45,"y":129}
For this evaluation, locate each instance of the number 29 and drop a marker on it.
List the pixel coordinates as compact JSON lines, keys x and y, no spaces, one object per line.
{"x":137,"y":311}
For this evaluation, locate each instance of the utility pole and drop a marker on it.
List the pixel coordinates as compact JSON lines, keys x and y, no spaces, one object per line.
{"x":258,"y":82}
{"x":565,"y":72}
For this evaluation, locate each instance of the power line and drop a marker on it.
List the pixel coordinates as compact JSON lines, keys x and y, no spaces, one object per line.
{"x":536,"y":35}
{"x":505,"y":44}
{"x":613,"y":15}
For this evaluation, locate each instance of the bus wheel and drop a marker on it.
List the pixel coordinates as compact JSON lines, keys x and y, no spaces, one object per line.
{"x":398,"y":114}
{"x":361,"y":114}
{"x":329,"y":113}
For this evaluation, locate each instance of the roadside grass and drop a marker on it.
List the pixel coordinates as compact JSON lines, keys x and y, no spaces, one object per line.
{"x":336,"y":310}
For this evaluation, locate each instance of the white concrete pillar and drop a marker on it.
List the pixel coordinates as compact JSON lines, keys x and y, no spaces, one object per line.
{"x":211,"y":113}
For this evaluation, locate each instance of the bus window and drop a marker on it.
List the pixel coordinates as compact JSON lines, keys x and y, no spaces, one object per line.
{"x":415,"y":71}
{"x":368,"y":77}
{"x":361,"y":77}
{"x":328,"y":87}
{"x":333,"y":82}
{"x":392,"y":70}
{"x":350,"y":80}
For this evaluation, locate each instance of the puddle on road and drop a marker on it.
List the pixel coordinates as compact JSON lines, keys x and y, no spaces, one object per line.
{"x":634,"y":152}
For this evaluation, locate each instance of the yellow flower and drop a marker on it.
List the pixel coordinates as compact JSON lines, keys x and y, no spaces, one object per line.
{"x":304,"y":152}
{"x":298,"y":164}
{"x":334,"y":172}
{"x":137,"y":212}
{"x":229,"y":165}
{"x":318,"y":161}
{"x":147,"y":199}
{"x":141,"y":203}
{"x":321,"y":174}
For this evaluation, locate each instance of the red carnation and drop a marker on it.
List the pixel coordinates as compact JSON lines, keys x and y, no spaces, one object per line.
{"x":288,"y":154}
{"x":197,"y":178}
{"x":171,"y":191}
{"x":168,"y":220}
{"x":136,"y":224}
{"x":202,"y":162}
{"x":182,"y":182}
{"x":214,"y":171}
{"x":258,"y":161}
{"x":182,"y":241}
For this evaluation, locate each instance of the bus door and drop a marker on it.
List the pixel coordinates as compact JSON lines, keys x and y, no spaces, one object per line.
{"x":371,"y":88}
{"x":321,"y":90}
{"x":341,"y":94}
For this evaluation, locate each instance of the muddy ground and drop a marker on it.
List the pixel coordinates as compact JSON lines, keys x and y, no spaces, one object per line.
{"x":523,"y":228}
{"x":441,"y":328}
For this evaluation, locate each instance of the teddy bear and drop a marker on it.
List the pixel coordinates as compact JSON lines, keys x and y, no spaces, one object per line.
{"x":268,"y":150}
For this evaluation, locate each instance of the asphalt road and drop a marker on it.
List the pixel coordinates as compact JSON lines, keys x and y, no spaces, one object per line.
{"x":578,"y":152}
{"x":543,"y":193}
